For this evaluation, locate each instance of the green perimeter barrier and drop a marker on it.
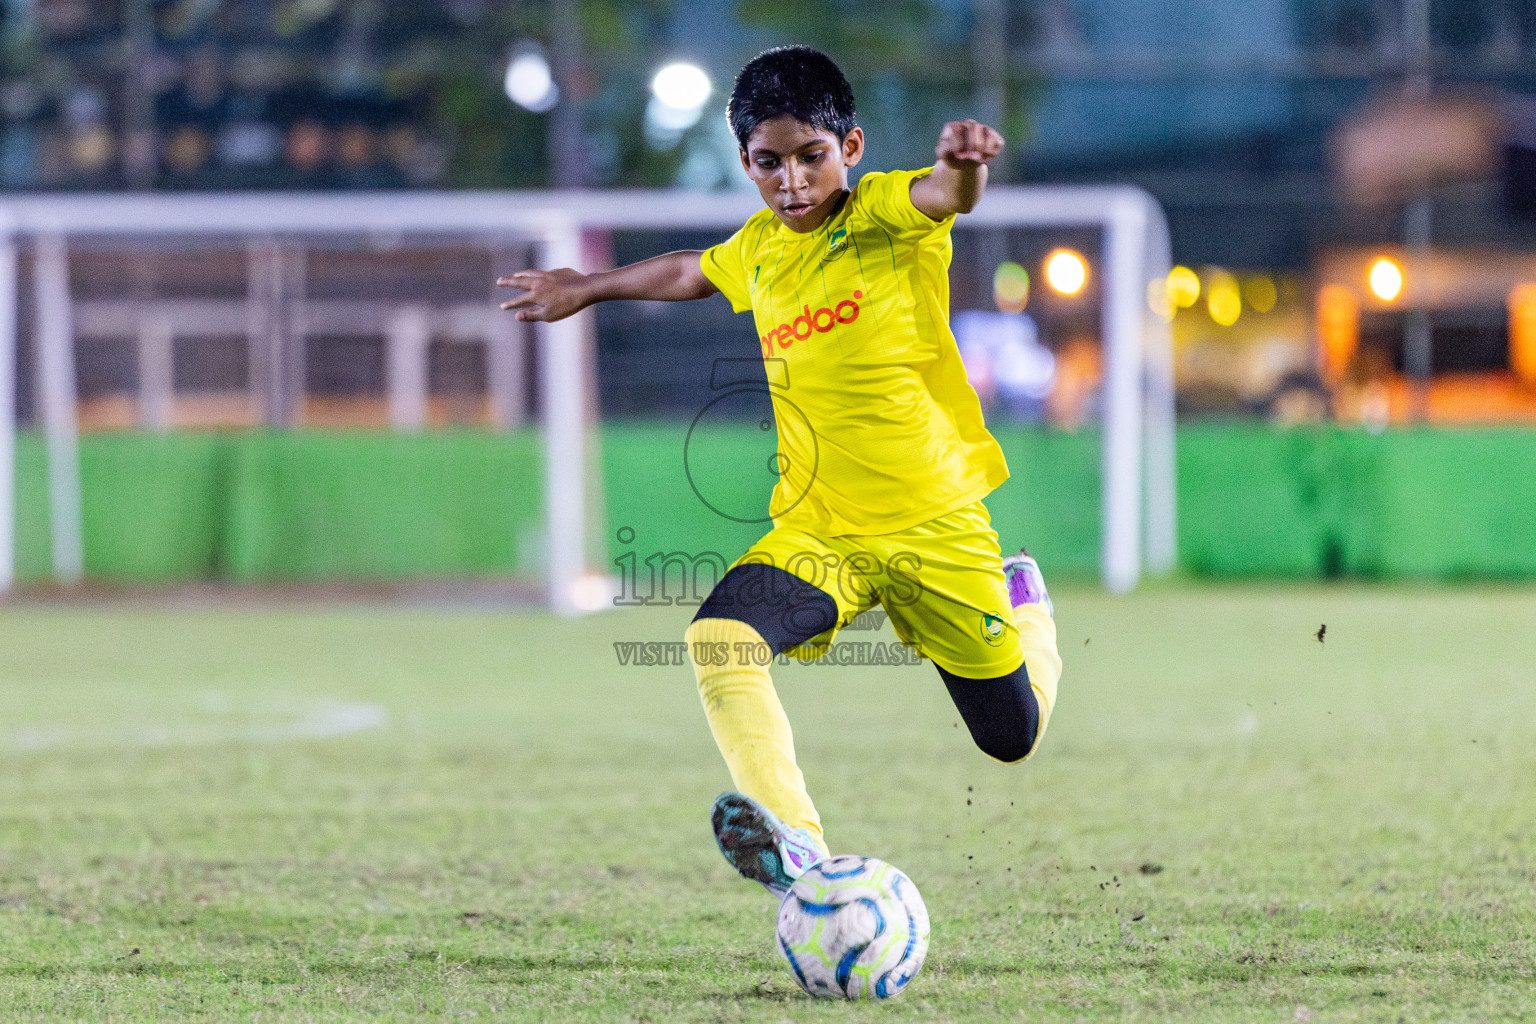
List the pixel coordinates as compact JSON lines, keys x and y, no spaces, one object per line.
{"x":302,"y":505}
{"x":1304,"y":503}
{"x":308,"y":505}
{"x":153,"y":507}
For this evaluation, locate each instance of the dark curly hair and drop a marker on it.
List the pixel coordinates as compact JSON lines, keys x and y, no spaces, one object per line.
{"x":799,"y":81}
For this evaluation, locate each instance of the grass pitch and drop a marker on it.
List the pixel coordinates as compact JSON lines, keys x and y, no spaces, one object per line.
{"x":328,"y":814}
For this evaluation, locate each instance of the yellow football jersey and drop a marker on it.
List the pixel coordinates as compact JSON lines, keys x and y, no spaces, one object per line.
{"x":879,"y":429}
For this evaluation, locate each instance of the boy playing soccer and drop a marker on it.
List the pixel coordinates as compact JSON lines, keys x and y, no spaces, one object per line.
{"x":883,"y":455}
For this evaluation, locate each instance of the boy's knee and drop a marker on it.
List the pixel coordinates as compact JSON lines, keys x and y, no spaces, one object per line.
{"x":1010,"y":744}
{"x":1007,"y":749}
{"x":1002,"y":714}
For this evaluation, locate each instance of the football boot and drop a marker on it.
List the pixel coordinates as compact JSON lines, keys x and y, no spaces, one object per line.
{"x":1025,"y":584}
{"x":760,"y":846}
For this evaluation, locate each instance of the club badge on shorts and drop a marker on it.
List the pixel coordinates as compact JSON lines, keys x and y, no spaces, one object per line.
{"x":992,"y":629}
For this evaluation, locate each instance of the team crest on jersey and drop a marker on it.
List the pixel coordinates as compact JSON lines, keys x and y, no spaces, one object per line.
{"x":992,"y":629}
{"x":835,"y":246}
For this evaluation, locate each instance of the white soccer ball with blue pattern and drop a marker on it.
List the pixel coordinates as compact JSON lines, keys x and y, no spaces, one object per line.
{"x":853,"y":928}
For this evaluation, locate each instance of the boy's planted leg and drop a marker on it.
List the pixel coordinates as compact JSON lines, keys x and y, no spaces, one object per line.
{"x":730,"y":660}
{"x":769,"y":830}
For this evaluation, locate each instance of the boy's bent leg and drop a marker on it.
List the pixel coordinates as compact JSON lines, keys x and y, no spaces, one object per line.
{"x":1003,"y":714}
{"x":1007,"y":714}
{"x":1035,"y":617}
{"x":986,"y":623}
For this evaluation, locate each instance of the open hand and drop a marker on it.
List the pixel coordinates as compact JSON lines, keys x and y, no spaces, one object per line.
{"x":547,"y":294}
{"x":968,"y":143}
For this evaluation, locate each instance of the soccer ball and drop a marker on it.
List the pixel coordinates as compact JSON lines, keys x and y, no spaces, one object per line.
{"x":853,"y":927}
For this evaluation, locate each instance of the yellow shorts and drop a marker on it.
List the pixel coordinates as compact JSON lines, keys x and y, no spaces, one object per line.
{"x":941,"y":583}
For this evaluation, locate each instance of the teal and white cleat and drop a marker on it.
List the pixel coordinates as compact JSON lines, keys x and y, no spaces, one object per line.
{"x":1025,"y":583}
{"x":759,"y":846}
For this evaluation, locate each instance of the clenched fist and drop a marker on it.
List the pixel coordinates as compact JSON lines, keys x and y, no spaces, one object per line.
{"x":968,"y":143}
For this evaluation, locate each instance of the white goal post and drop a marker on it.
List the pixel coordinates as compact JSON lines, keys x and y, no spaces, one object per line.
{"x":1138,"y":428}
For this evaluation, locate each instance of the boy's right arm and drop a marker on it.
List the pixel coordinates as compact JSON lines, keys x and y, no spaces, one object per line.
{"x":556,"y":294}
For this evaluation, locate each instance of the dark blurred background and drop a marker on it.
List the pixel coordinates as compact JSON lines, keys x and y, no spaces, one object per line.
{"x":1221,"y":109}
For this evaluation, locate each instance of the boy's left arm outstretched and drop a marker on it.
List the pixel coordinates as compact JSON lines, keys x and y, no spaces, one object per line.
{"x":960,"y":175}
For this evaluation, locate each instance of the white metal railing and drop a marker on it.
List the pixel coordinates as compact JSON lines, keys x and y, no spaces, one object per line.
{"x":407,"y":328}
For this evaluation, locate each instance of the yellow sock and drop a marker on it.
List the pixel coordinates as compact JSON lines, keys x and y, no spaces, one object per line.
{"x":1037,"y":632}
{"x":731,"y":662}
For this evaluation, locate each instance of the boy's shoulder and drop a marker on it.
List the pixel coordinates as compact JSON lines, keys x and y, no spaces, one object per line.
{"x":885,"y":197}
{"x":888,"y":186}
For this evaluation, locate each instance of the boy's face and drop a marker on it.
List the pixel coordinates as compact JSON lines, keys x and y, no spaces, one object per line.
{"x":801,"y":171}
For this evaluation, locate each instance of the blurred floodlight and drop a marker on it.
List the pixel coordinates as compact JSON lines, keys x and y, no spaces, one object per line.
{"x":529,"y":83}
{"x":1066,"y":271}
{"x":678,"y":94}
{"x":1010,"y":287}
{"x":1522,"y":333}
{"x":1338,"y":330}
{"x":1260,"y":293}
{"x":1386,"y":279}
{"x":1224,"y":298}
{"x":1183,"y":287}
{"x":681,"y":86}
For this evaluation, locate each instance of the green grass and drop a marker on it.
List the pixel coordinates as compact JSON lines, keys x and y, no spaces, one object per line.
{"x":1228,"y":821}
